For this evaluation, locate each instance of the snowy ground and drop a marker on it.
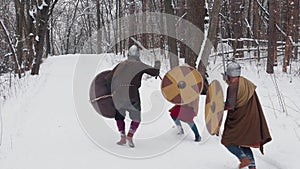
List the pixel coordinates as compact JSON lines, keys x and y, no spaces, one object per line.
{"x":51,"y":125}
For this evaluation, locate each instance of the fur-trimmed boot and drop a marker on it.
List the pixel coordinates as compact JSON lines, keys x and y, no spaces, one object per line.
{"x":244,"y":162}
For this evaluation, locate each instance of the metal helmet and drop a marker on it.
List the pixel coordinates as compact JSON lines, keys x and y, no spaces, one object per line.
{"x":133,"y":53}
{"x":233,"y":69}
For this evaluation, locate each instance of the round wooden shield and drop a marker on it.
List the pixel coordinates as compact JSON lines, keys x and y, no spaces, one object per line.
{"x":100,"y":96}
{"x":214,"y":107}
{"x":182,"y":85}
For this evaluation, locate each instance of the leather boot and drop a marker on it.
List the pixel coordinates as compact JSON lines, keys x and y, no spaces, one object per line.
{"x":197,"y":139}
{"x":123,"y":139}
{"x":180,"y":130}
{"x":244,"y":162}
{"x":130,"y":142}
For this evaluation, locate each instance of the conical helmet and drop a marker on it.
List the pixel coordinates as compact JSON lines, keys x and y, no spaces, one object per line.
{"x":134,"y":53}
{"x":233,"y":69}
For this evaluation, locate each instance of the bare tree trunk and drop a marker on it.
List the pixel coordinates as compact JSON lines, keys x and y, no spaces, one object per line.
{"x":245,"y":21}
{"x":48,"y":46}
{"x":162,"y":30}
{"x":70,"y":28}
{"x":99,"y":31}
{"x":10,"y":44}
{"x":256,"y":26}
{"x":108,"y":25}
{"x":289,"y":33}
{"x":271,"y":39}
{"x":212,"y":34}
{"x":30,"y":34}
{"x":182,"y":12}
{"x":196,"y":15}
{"x":43,"y":15}
{"x":52,"y":43}
{"x":114,"y":26}
{"x":211,"y":39}
{"x":121,"y":46}
{"x":296,"y":27}
{"x":132,"y":26}
{"x":117,"y":34}
{"x":172,"y":47}
{"x":19,"y":9}
{"x":276,"y":35}
{"x":89,"y":25}
{"x":236,"y":15}
{"x":104,"y":28}
{"x":284,"y":15}
{"x":144,"y":24}
{"x":152,"y":37}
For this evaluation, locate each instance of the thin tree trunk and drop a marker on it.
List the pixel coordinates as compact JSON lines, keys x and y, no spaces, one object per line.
{"x":99,"y":31}
{"x":256,"y":31}
{"x":89,"y":25}
{"x":30,"y":34}
{"x":117,"y":35}
{"x":172,"y":47}
{"x":132,"y":26}
{"x":276,"y":36}
{"x":104,"y":28}
{"x":211,"y":39}
{"x":236,"y":15}
{"x":182,"y":29}
{"x":121,"y":46}
{"x":52,"y":42}
{"x":296,"y":27}
{"x":271,"y":39}
{"x":289,"y":33}
{"x":48,"y":46}
{"x":70,"y":28}
{"x":144,"y":24}
{"x":19,"y":9}
{"x":10,"y":44}
{"x":162,"y":30}
{"x":196,"y":15}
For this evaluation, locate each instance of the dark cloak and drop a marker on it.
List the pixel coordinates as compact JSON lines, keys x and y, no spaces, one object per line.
{"x":245,"y":124}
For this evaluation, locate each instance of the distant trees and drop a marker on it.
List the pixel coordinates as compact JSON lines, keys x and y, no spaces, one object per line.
{"x":270,"y":26}
{"x":25,"y":31}
{"x":255,"y":29}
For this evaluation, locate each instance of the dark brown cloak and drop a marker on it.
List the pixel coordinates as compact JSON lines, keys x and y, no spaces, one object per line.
{"x":246,"y":125}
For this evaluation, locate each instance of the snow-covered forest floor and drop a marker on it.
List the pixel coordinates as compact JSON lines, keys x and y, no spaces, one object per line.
{"x":50,"y":124}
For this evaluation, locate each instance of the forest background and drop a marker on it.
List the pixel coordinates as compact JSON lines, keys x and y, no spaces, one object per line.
{"x":263,"y":30}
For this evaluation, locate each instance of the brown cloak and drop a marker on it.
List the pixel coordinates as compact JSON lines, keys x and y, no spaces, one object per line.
{"x":246,"y":125}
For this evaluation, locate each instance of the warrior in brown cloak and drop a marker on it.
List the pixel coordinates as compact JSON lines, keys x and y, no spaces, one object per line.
{"x":245,"y":125}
